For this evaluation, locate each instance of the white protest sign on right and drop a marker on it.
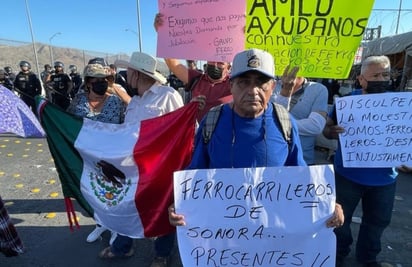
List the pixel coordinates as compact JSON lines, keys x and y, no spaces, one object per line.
{"x":256,"y":216}
{"x":202,"y":30}
{"x":378,"y":129}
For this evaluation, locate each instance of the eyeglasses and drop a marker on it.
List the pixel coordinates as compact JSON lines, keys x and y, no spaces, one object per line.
{"x":263,"y":83}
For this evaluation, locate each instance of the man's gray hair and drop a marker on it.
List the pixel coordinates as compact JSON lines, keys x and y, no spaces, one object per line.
{"x":372,"y":60}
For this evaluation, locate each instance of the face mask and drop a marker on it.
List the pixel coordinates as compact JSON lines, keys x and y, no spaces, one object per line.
{"x":100,"y":88}
{"x":131,"y":91}
{"x":376,"y":87}
{"x":214,"y":72}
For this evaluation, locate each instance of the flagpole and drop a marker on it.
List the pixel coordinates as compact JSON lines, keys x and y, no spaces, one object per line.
{"x":32,"y":38}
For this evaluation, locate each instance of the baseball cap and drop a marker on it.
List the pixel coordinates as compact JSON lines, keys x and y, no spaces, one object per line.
{"x":253,"y":60}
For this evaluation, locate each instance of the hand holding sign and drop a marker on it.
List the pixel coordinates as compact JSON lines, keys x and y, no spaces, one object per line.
{"x":175,"y":219}
{"x":205,"y":30}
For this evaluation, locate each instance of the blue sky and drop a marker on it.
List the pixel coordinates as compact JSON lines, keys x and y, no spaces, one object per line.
{"x":100,"y":25}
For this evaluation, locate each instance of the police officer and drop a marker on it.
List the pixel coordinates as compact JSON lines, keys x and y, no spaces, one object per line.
{"x":5,"y":80}
{"x":9,"y":73}
{"x":76,"y":80}
{"x":27,"y":85}
{"x":61,"y":84}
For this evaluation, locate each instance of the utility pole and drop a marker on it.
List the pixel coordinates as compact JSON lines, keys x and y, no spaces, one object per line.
{"x":399,"y":16}
{"x":138,"y":25}
{"x":51,"y":47}
{"x":32,"y":38}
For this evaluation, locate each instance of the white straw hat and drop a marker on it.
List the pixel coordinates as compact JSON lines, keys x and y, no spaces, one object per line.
{"x":144,"y":63}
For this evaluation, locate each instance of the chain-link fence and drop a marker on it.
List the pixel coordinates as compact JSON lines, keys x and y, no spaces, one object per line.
{"x":12,"y":52}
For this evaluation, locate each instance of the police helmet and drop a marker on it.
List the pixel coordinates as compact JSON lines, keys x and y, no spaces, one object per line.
{"x":8,"y":69}
{"x":73,"y":68}
{"x":58,"y":64}
{"x":24,"y":63}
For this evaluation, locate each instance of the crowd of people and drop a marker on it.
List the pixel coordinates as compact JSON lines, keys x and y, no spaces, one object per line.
{"x":248,"y":131}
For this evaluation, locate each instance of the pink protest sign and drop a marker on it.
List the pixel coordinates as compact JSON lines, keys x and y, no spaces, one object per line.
{"x":201,"y":29}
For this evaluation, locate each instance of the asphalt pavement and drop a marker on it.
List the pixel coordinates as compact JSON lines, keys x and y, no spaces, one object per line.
{"x":31,"y":190}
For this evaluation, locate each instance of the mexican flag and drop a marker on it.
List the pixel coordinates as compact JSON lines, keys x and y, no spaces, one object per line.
{"x":121,"y":174}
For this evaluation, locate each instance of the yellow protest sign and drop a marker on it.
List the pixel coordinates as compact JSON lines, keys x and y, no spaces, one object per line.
{"x":319,"y":36}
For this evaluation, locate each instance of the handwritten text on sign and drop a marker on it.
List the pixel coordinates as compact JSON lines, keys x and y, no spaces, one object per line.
{"x":256,"y":217}
{"x":378,"y":129}
{"x":319,"y":36}
{"x":199,"y":29}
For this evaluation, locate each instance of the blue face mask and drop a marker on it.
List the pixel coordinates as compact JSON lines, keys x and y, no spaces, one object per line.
{"x":376,"y":87}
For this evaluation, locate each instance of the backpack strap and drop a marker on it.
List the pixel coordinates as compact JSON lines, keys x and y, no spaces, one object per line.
{"x":283,"y":117}
{"x":297,"y":95}
{"x":212,"y":116}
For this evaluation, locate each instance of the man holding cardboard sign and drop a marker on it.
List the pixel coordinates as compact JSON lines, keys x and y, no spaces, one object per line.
{"x":210,"y":88}
{"x":374,"y":186}
{"x":248,"y":131}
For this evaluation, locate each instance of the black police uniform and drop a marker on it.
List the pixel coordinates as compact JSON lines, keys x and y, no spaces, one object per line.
{"x":28,"y":86}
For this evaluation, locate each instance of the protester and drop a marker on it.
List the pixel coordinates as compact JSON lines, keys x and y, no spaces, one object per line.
{"x":118,"y":78}
{"x":47,"y":70}
{"x":27,"y":85}
{"x":192,"y":64}
{"x":61,"y":85}
{"x":308,"y":103}
{"x":248,"y":132}
{"x":44,"y":75}
{"x":373,"y":187}
{"x":97,"y":104}
{"x":152,"y":99}
{"x":115,"y":88}
{"x":10,"y":242}
{"x":212,"y":86}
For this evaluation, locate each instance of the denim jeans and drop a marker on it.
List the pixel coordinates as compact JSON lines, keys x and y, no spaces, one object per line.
{"x":163,"y":245}
{"x":377,"y":204}
{"x":121,"y":245}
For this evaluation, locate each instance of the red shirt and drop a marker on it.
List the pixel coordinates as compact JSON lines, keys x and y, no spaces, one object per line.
{"x":215,"y":93}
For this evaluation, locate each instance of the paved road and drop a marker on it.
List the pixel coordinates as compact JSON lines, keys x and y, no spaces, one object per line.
{"x":31,"y":190}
